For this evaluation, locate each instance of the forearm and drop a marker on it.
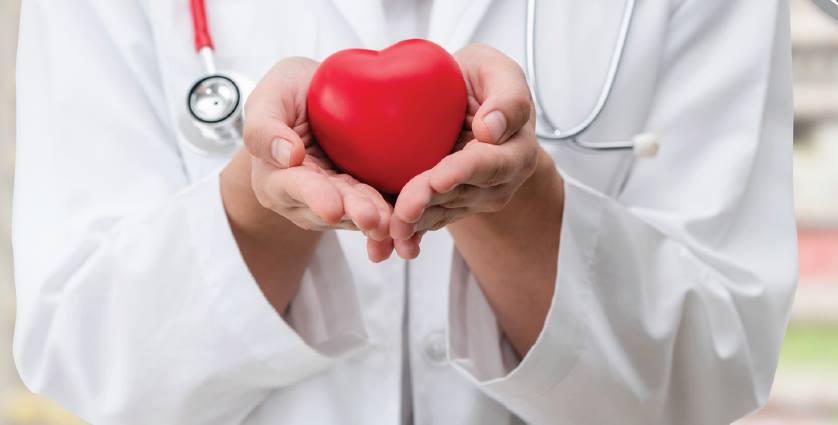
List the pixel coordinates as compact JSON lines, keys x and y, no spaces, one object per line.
{"x":275,"y":250}
{"x":513,"y":253}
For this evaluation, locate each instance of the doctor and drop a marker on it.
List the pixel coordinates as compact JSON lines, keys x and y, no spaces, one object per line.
{"x":159,"y":286}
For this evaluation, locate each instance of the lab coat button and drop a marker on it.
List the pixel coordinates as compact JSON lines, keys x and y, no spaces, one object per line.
{"x":435,"y":347}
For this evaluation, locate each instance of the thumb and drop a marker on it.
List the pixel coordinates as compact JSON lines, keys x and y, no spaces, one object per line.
{"x":500,"y":87}
{"x":273,"y":142}
{"x":273,"y":108}
{"x":501,"y":115}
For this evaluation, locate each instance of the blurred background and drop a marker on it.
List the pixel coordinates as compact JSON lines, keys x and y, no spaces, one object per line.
{"x":806,"y":387}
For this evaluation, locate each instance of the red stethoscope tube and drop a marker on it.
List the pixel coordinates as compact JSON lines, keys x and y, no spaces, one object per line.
{"x":199,"y":24}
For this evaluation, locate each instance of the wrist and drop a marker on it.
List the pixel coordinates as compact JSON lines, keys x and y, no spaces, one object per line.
{"x":544,"y":188}
{"x":518,"y":244}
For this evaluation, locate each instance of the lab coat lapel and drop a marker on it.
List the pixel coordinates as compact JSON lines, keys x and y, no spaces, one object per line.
{"x":453,"y":22}
{"x":366,"y":17}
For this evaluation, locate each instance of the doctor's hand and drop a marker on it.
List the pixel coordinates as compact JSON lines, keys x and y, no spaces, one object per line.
{"x":497,"y":152}
{"x":290,"y":173}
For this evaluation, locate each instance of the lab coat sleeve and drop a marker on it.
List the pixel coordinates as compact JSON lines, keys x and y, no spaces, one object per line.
{"x":134,"y":304}
{"x":671,"y":299}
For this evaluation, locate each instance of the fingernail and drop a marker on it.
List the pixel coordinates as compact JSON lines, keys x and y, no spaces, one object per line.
{"x":496,"y":123}
{"x":281,"y":151}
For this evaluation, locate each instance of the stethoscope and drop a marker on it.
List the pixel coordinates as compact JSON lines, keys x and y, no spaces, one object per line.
{"x":215,"y":101}
{"x":642,"y":145}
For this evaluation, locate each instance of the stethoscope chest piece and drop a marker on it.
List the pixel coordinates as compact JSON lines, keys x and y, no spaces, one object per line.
{"x":213,"y":122}
{"x":215,"y":104}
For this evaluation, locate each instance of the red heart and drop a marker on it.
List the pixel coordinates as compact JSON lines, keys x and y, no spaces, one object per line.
{"x":386,"y":116}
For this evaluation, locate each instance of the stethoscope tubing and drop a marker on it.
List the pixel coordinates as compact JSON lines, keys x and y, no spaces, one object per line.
{"x":571,"y":134}
{"x":642,"y":144}
{"x":203,"y":38}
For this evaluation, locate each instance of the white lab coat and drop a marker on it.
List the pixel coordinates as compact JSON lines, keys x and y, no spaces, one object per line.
{"x":135,"y":307}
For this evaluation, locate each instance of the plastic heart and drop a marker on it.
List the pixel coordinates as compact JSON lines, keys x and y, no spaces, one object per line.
{"x":386,"y":116}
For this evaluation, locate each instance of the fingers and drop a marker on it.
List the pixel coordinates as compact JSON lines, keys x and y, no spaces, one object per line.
{"x":379,"y":244}
{"x":500,"y":87}
{"x":273,"y":110}
{"x":401,"y":230}
{"x":475,"y":165}
{"x":483,"y":165}
{"x":438,"y":217}
{"x":271,"y":140}
{"x":381,"y":231}
{"x":417,"y":208}
{"x":315,"y":192}
{"x":408,"y":249}
{"x":315,"y":201}
{"x":471,"y":179}
{"x":378,"y":251}
{"x":415,"y":195}
{"x":461,"y":196}
{"x":356,"y":205}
